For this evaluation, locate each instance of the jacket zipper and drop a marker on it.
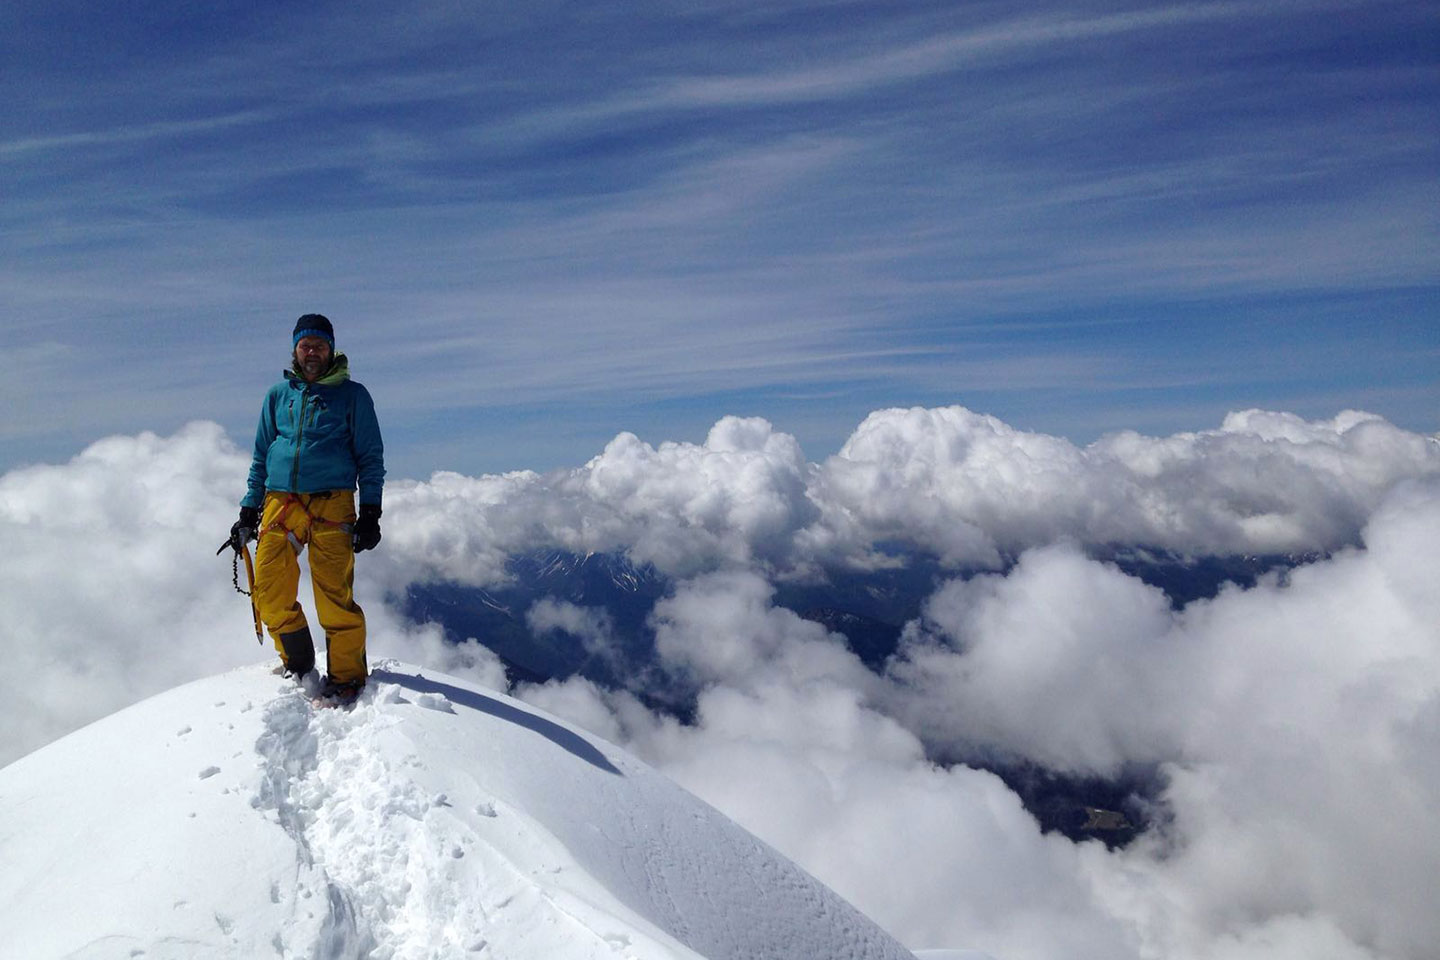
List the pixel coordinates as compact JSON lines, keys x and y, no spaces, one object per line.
{"x":299,"y":436}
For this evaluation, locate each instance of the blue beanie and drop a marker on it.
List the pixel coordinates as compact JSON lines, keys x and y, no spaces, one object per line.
{"x":313,"y":325}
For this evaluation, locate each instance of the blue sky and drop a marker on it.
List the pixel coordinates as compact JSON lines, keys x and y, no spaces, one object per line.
{"x":538,"y":225}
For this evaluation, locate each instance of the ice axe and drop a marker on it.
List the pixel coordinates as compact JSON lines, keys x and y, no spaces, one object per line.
{"x":244,"y":548}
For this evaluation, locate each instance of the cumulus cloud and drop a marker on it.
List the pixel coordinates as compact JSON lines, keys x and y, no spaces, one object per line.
{"x":110,"y":589}
{"x":787,"y":741}
{"x":454,"y":527}
{"x":1294,"y":723}
{"x":735,"y":500}
{"x":1310,"y":748}
{"x":722,"y":626}
{"x":971,"y":487}
{"x":740,"y":496}
{"x":1041,"y":663}
{"x":963,"y":486}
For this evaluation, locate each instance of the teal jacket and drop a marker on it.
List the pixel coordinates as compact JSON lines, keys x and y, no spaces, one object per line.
{"x":317,"y":436}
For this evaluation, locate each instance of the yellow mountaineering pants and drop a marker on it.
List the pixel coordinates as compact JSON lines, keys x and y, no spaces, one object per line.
{"x":289,"y":523}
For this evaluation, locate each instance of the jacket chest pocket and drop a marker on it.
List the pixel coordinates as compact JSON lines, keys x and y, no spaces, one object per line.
{"x":322,"y":420}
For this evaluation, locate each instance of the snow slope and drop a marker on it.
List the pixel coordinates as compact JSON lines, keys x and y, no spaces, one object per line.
{"x":231,"y":818}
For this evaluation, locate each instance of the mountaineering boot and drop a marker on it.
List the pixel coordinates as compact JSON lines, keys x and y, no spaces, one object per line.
{"x":298,"y":652}
{"x":340,"y":693}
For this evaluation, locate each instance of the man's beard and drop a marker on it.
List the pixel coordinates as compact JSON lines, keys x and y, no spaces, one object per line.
{"x":313,"y":366}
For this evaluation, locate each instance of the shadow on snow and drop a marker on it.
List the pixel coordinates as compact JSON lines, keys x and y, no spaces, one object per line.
{"x":565,"y":739}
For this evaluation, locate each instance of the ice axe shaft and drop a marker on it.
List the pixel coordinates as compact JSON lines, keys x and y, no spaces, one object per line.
{"x":250,"y":579}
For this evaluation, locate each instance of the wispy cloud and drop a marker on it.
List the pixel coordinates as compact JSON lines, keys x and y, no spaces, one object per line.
{"x":656,"y":206}
{"x":987,"y":45}
{"x":135,"y":134}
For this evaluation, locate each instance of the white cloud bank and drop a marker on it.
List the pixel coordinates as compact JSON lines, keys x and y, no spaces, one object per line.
{"x":1297,"y":723}
{"x":968,"y":487}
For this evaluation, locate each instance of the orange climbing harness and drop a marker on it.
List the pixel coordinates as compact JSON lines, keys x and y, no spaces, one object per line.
{"x":294,"y":500}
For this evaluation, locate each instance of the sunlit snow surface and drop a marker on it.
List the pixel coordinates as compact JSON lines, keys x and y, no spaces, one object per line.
{"x":232,"y":818}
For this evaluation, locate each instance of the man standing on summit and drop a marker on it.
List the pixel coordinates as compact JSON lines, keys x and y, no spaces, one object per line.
{"x":317,"y":440}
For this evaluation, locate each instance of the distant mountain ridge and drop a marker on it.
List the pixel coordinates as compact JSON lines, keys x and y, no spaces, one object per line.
{"x":868,"y":608}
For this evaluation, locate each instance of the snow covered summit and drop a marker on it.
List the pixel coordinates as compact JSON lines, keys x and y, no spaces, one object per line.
{"x":231,"y":818}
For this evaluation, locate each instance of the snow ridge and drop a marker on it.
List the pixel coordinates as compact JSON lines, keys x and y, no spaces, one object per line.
{"x":434,"y":820}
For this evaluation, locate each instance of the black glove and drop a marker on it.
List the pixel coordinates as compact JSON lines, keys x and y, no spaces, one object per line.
{"x":244,"y":529}
{"x":366,"y":531}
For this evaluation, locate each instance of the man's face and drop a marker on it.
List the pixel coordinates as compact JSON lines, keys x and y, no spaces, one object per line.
{"x":312,"y":355}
